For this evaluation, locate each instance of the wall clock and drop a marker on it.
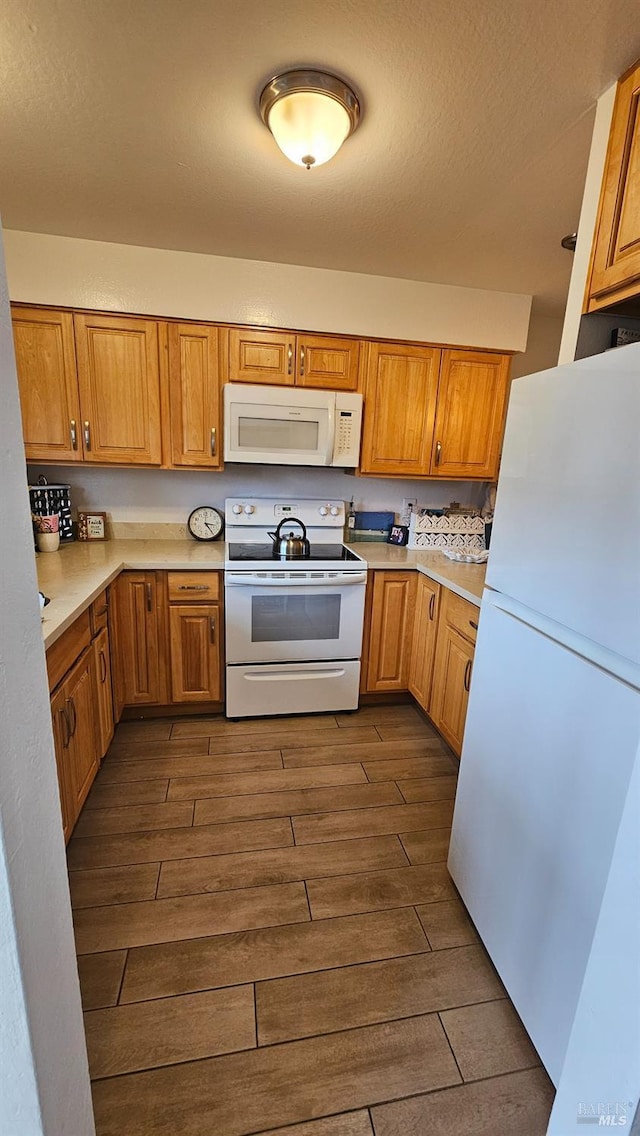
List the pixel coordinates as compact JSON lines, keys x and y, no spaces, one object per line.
{"x":205,"y":523}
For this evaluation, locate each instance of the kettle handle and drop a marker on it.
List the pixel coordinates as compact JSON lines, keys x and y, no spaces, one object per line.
{"x":290,"y":521}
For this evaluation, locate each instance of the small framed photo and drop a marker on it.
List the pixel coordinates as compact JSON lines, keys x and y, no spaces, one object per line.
{"x":399,"y":534}
{"x":92,"y":526}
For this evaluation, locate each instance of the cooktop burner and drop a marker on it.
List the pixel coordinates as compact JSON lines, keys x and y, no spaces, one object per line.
{"x":252,"y":552}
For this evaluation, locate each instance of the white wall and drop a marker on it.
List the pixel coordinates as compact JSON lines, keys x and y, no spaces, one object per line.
{"x":587,"y":224}
{"x":91,"y":274}
{"x":44,"y":1084}
{"x":543,"y":346}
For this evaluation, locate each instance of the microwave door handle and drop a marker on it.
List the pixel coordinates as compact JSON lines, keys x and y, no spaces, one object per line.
{"x":331,"y":430}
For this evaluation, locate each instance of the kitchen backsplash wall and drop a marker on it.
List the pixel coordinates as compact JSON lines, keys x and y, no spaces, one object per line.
{"x":168,"y":496}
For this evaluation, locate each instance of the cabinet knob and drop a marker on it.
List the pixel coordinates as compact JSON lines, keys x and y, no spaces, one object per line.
{"x":213,"y":442}
{"x":438,"y":452}
{"x":73,"y":430}
{"x":87,"y":435}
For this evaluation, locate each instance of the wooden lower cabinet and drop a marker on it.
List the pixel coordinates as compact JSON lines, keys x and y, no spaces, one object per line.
{"x":102,"y":661}
{"x":423,"y":646}
{"x":140,"y":657}
{"x":194,"y":633}
{"x":74,"y":711}
{"x":390,"y":631}
{"x":452,"y":672}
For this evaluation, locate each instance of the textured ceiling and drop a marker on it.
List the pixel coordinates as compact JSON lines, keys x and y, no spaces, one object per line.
{"x":136,"y":122}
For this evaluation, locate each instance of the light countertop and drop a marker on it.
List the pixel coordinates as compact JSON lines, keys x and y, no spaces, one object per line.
{"x":75,"y":575}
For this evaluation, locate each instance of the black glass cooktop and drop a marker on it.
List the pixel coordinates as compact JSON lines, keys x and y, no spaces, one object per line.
{"x":265,"y":552}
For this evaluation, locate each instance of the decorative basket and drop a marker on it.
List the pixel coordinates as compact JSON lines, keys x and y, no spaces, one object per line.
{"x":437,"y":531}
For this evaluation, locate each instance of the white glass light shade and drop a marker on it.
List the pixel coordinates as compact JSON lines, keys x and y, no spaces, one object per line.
{"x":309,"y":127}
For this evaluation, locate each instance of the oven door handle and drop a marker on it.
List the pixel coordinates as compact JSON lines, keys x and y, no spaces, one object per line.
{"x":291,"y":675}
{"x":337,"y":581}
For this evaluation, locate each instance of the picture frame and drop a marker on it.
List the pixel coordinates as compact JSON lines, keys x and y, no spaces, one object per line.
{"x":399,"y":534}
{"x":92,"y":525}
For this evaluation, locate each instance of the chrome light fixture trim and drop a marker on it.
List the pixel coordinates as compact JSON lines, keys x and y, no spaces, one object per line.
{"x":303,"y":82}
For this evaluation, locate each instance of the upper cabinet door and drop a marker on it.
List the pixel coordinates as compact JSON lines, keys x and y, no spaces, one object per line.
{"x":472,"y":400}
{"x":328,"y":363}
{"x":399,"y":409}
{"x":261,"y":357}
{"x":194,"y":396}
{"x":46,"y":363}
{"x":615,"y":270}
{"x":118,"y":376}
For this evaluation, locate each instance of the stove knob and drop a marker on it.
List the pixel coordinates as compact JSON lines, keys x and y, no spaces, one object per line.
{"x":323,"y":511}
{"x":249,"y":509}
{"x":334,"y":510}
{"x":236,"y":509}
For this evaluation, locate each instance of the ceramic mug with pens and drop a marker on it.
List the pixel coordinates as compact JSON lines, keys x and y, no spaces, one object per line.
{"x":47,"y":532}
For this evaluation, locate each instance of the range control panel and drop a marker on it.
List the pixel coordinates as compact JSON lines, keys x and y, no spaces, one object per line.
{"x":265,"y":511}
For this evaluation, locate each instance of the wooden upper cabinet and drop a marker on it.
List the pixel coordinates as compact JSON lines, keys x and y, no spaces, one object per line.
{"x":261,"y":357}
{"x":194,"y":396}
{"x":615,"y":258}
{"x":281,"y":358}
{"x":46,"y":364}
{"x":400,"y":400}
{"x":390,"y":630}
{"x":119,"y":382}
{"x":472,"y":401}
{"x":326,"y":363}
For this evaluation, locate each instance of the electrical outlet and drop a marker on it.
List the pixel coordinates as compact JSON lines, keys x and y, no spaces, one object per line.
{"x":408,"y":506}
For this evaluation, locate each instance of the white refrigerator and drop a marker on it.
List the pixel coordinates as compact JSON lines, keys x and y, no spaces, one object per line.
{"x":553,"y":727}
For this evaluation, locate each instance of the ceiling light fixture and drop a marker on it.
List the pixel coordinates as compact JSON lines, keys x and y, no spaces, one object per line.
{"x":310,"y":114}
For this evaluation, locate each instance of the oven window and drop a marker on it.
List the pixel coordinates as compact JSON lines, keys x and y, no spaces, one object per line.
{"x":282,"y":619}
{"x":272,"y":434}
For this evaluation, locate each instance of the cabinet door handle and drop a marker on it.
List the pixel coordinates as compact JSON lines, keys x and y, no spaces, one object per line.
{"x":438,"y":452}
{"x":467,"y":675}
{"x":302,"y":359}
{"x":432,"y":605}
{"x":193,"y":587}
{"x":149,"y":592}
{"x":73,"y":430}
{"x":473,"y":624}
{"x":290,"y":359}
{"x":87,"y":435}
{"x":74,"y":718}
{"x":103,"y":667}
{"x":66,"y":730}
{"x":213,"y":442}
{"x":212,"y":629}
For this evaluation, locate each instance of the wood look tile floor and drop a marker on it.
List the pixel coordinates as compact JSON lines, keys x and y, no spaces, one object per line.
{"x":269,"y":941}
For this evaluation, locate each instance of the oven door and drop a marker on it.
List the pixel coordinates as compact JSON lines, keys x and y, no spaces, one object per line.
{"x":292,"y":616}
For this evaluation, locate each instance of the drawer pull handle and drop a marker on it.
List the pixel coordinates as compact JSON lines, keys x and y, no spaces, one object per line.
{"x":149,"y":597}
{"x":103,"y":668}
{"x":212,"y":629}
{"x":467,"y":675}
{"x":74,"y":434}
{"x":213,"y":441}
{"x":438,"y":452}
{"x":87,"y":436}
{"x":473,"y":624}
{"x":432,"y":605}
{"x":193,"y":587}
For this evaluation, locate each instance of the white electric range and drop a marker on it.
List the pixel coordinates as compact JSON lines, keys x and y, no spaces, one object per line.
{"x":293,"y":626}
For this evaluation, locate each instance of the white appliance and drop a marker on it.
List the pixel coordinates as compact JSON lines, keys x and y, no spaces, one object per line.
{"x":293,"y":627}
{"x":291,"y":426}
{"x":553,"y":727}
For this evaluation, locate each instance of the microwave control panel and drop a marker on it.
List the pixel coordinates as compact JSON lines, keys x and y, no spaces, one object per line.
{"x":348,"y":425}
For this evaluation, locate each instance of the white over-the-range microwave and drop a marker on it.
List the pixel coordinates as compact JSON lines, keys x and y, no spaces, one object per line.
{"x":291,"y":426}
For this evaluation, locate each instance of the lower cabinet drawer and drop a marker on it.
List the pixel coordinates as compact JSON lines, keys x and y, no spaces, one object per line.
{"x":196,"y":587}
{"x":461,"y":614}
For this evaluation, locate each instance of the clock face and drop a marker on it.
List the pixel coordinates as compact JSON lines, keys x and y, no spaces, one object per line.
{"x":205,"y":523}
